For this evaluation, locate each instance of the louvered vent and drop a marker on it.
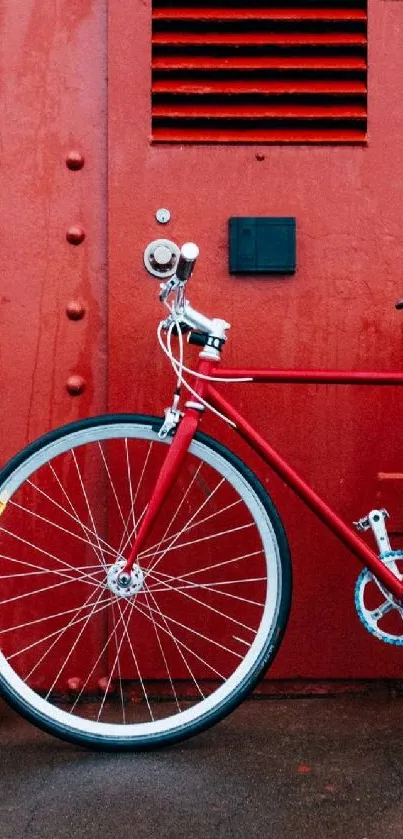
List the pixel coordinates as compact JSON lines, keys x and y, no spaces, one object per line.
{"x":281,"y":71}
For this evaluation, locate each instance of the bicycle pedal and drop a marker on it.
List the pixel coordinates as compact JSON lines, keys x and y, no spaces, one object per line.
{"x":376,"y":521}
{"x":366,"y":522}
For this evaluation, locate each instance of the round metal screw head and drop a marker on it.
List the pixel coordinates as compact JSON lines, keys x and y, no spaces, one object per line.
{"x":163,"y":215}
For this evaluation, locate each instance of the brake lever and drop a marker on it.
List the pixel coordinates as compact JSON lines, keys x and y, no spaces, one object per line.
{"x":168,"y":287}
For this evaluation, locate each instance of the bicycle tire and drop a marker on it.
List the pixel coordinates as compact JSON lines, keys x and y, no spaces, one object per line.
{"x":32,"y":491}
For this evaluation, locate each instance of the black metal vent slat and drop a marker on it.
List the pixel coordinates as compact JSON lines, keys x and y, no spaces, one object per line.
{"x":279,"y":71}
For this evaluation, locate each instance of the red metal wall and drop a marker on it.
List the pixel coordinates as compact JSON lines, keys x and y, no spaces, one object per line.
{"x":337,"y":311}
{"x":53,"y":104}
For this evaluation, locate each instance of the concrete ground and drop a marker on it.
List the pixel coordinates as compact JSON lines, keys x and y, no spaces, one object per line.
{"x":323,"y":768}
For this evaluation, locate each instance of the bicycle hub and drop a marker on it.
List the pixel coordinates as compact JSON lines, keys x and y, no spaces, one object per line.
{"x":122,"y":583}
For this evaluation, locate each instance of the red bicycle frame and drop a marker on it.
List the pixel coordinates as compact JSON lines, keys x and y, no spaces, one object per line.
{"x":190,"y":422}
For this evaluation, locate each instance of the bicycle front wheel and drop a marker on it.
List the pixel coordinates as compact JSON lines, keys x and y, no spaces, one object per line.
{"x":203,"y":619}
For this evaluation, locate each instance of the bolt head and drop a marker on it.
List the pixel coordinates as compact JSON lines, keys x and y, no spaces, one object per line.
{"x":163,"y":215}
{"x":75,"y":235}
{"x":75,"y":385}
{"x":75,"y":160}
{"x":75,"y":310}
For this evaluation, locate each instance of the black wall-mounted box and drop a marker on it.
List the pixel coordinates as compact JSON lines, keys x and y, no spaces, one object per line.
{"x":264,"y":245}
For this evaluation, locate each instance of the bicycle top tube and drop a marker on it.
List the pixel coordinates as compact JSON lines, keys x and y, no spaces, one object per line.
{"x":213,"y":335}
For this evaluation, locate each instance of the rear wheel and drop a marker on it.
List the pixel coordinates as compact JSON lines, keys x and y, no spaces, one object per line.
{"x":204,"y":615}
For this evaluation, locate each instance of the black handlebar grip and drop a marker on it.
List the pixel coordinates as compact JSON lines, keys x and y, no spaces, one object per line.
{"x":186,"y":263}
{"x":198,"y":338}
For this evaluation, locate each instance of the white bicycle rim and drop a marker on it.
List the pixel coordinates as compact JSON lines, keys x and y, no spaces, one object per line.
{"x":51,"y":715}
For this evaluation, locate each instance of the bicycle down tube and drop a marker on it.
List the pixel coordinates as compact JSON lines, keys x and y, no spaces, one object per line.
{"x":190,"y":422}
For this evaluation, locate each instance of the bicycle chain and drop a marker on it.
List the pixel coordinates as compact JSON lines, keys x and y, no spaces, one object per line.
{"x":371,"y":626}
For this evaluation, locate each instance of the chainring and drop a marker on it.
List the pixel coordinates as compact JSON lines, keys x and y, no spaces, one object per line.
{"x":377,"y":609}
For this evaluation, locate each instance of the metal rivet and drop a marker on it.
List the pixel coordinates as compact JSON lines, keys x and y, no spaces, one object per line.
{"x":163,"y":215}
{"x":75,"y":235}
{"x":75,"y":310}
{"x":75,"y":160}
{"x":75,"y":683}
{"x":75,"y":385}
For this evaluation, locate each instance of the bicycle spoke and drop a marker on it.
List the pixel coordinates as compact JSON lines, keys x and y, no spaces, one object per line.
{"x":47,"y":637}
{"x":215,"y":565}
{"x":135,"y":658}
{"x":46,"y":618}
{"x":101,"y":557}
{"x":205,"y":605}
{"x":62,"y":562}
{"x":123,"y":544}
{"x":176,"y":513}
{"x":73,"y":516}
{"x":167,"y":670}
{"x":174,"y":640}
{"x":112,"y":486}
{"x":100,"y":656}
{"x":59,"y":527}
{"x":74,"y":644}
{"x":180,"y":643}
{"x":148,"y":570}
{"x":132,"y":532}
{"x":109,"y":680}
{"x":212,"y":586}
{"x":130,"y":485}
{"x":200,"y":634}
{"x":150,"y":551}
{"x":39,"y":568}
{"x":22,"y":575}
{"x":62,"y":630}
{"x":179,"y":534}
{"x":43,"y":589}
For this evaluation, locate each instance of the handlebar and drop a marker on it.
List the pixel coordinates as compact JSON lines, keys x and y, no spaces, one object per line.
{"x":186,"y":263}
{"x":183,"y":316}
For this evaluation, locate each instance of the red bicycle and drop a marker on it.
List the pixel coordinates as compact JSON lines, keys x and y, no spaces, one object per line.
{"x":145,"y":572}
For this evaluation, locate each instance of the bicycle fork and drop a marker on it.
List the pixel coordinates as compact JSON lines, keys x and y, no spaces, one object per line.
{"x":187,"y":425}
